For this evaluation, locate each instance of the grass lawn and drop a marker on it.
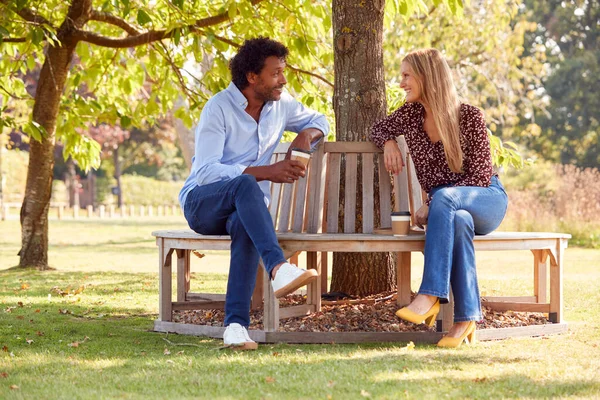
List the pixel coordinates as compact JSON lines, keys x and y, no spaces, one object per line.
{"x":84,"y":331}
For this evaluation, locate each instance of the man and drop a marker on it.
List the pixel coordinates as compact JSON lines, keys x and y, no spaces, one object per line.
{"x":227,"y":191}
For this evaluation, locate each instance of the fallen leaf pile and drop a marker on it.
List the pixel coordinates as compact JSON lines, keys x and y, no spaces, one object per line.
{"x":370,"y":315}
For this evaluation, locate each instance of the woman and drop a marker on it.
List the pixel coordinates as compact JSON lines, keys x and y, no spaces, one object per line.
{"x":450,"y":147}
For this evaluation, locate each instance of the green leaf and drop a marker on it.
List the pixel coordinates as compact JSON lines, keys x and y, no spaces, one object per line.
{"x":176,"y":36}
{"x":232,"y":10}
{"x":125,"y":121}
{"x":143,"y":17}
{"x":37,"y":35}
{"x":21,"y":4}
{"x":35,"y":130}
{"x":178,"y":4}
{"x":4,"y":31}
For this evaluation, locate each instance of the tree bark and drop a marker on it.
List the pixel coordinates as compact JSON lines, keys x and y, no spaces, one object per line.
{"x":117,"y":176}
{"x":38,"y":189}
{"x":359,"y":101}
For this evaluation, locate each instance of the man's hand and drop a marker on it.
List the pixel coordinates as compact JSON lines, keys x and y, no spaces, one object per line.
{"x":392,"y":157}
{"x":286,"y":171}
{"x":421,"y":216}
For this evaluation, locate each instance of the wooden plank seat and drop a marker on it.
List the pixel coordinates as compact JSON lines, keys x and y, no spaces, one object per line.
{"x":307,"y":216}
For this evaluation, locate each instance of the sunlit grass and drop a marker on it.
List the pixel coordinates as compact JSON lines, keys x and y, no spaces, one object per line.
{"x":98,"y":343}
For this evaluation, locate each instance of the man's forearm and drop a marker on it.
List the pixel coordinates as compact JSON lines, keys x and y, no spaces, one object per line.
{"x":260,"y":173}
{"x":313,"y":134}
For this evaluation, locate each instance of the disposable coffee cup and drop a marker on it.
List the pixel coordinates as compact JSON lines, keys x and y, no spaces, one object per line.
{"x":401,"y":223}
{"x":301,"y":155}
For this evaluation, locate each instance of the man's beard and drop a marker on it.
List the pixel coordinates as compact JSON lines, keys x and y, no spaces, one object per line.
{"x":268,"y":94}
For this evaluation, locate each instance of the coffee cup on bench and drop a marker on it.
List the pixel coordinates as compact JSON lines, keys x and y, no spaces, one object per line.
{"x":400,"y":223}
{"x":301,"y":155}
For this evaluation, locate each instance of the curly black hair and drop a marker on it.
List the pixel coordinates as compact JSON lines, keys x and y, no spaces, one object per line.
{"x":251,"y":58}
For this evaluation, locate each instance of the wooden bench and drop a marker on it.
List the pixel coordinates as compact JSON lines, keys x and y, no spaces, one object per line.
{"x":306,"y":216}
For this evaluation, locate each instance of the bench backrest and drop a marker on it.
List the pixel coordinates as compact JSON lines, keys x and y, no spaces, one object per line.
{"x":327,"y":197}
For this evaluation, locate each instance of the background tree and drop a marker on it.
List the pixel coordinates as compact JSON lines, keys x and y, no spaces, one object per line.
{"x":567,"y":129}
{"x":121,"y":47}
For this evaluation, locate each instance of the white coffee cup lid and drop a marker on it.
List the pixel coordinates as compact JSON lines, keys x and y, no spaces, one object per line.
{"x":300,"y":154}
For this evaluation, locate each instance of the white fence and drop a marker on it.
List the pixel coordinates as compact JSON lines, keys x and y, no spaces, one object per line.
{"x":61,"y":211}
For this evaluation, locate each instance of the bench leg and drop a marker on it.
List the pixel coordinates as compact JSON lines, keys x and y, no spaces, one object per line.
{"x":403,"y":278}
{"x":445,"y":318}
{"x":271,"y":305}
{"x":183,"y":274}
{"x":257,"y":295}
{"x":313,"y":293}
{"x":324,"y":272}
{"x":165,"y":304}
{"x":556,"y":283}
{"x":540,"y":275}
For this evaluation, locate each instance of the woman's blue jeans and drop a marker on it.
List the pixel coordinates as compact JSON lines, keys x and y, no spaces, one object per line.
{"x":237,"y":207}
{"x":456,"y":214}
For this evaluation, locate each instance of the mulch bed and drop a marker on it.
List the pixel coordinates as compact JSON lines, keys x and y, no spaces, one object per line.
{"x":368,"y":314}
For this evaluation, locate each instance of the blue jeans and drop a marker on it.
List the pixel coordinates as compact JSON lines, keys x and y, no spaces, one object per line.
{"x":456,"y":214}
{"x":237,"y":207}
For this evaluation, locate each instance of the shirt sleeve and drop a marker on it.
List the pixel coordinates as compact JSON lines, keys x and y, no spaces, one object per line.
{"x":391,"y":126}
{"x":300,"y":117}
{"x":210,"y":141}
{"x":477,"y":156}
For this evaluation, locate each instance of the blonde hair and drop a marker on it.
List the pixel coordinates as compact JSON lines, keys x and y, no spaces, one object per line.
{"x":438,"y":93}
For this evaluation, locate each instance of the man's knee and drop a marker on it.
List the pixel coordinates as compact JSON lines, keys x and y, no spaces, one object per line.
{"x":247,"y":182}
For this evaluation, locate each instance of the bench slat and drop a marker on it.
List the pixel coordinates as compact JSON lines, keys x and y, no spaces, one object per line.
{"x":275,"y":193}
{"x":299,"y":203}
{"x":286,"y":205}
{"x":401,"y":181}
{"x":368,"y":203}
{"x":316,"y":189}
{"x":350,"y":193}
{"x":351,"y":147}
{"x":415,"y":192}
{"x":385,"y":194}
{"x":333,"y":192}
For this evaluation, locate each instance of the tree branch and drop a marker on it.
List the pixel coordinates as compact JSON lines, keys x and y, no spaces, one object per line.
{"x":138,"y":38}
{"x":122,"y":43}
{"x":114,"y":20}
{"x":422,"y":17}
{"x":302,"y":71}
{"x":14,"y":40}
{"x":28,"y":15}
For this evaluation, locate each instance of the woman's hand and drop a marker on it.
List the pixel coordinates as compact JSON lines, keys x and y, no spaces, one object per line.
{"x":421,"y":216}
{"x":392,"y":157}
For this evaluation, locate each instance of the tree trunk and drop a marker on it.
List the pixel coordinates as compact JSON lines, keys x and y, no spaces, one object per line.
{"x":117,"y":176}
{"x":38,"y":189}
{"x":359,"y":101}
{"x":1,"y":170}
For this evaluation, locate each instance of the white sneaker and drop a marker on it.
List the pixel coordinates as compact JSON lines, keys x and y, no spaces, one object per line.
{"x":289,"y":278}
{"x":236,"y":336}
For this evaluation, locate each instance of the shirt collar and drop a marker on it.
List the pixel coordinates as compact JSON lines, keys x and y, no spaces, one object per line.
{"x":241,"y":100}
{"x":238,"y":97}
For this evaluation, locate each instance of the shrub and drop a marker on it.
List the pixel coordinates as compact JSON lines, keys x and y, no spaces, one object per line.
{"x":560,"y":198}
{"x":147,"y":191}
{"x":14,"y":173}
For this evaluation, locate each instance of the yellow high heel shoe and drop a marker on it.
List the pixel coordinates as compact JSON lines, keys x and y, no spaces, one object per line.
{"x":428,"y":317}
{"x":468,"y":336}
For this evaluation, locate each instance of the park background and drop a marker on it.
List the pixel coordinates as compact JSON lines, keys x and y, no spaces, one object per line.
{"x":123,"y":143}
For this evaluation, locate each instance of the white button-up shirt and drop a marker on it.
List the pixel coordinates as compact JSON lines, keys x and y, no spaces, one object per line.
{"x":228,"y":139}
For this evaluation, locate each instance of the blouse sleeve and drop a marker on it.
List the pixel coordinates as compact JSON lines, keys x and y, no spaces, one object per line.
{"x":391,"y":126}
{"x":477,"y":164}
